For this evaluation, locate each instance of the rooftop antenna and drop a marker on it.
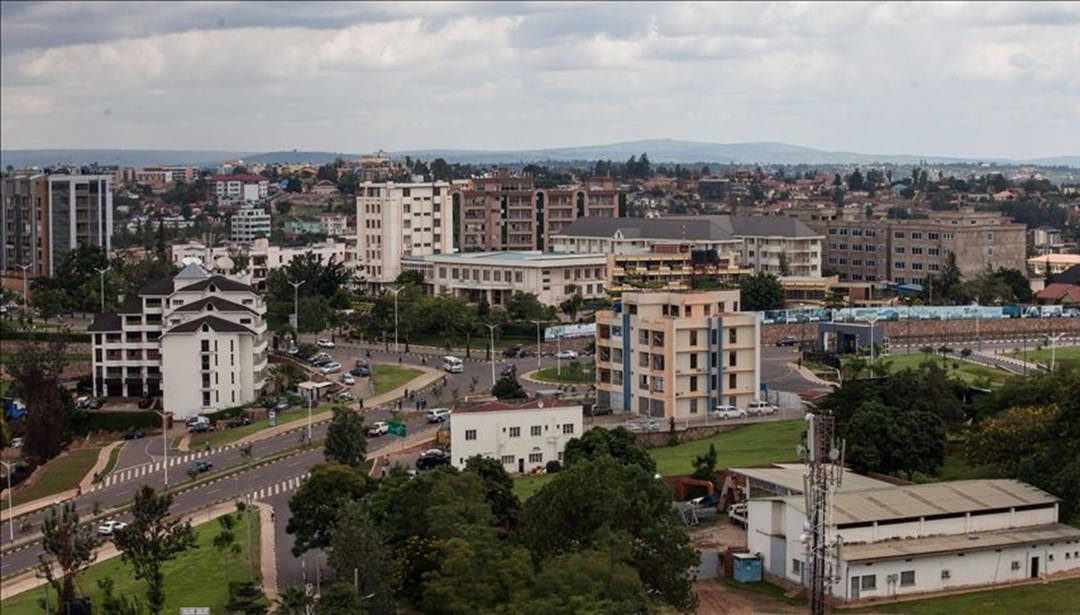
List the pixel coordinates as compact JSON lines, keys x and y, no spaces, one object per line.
{"x":825,"y":460}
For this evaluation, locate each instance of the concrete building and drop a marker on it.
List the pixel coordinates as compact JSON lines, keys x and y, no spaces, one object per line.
{"x":496,"y":276}
{"x":248,"y":224}
{"x":238,"y":188}
{"x":765,"y":243}
{"x":42,"y":217}
{"x":673,"y":267}
{"x":333,"y":225}
{"x":395,"y":221}
{"x":1051,"y":264}
{"x":198,"y":340}
{"x":522,"y":436}
{"x":262,"y":257}
{"x":508,"y":212}
{"x":666,"y":354}
{"x":905,"y":251}
{"x":914,"y":539}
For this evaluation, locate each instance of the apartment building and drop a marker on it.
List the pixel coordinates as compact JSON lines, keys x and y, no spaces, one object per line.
{"x":523,"y":437}
{"x":907,"y":251}
{"x":772,"y":244}
{"x":198,"y":340}
{"x":247,"y":224}
{"x":399,"y":220}
{"x":262,"y":257}
{"x":333,"y":225}
{"x":667,"y":354}
{"x":674,"y":267}
{"x":495,"y":276}
{"x":44,"y":216}
{"x":238,"y":188}
{"x":508,"y":212}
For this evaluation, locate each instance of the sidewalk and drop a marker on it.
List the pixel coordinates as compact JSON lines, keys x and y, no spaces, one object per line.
{"x":85,"y":484}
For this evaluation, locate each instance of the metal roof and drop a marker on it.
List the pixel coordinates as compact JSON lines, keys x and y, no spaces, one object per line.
{"x":790,"y":477}
{"x":934,"y":545}
{"x":218,"y":304}
{"x":215,"y":323}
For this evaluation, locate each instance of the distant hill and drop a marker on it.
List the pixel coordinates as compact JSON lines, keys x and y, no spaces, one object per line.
{"x":668,"y":151}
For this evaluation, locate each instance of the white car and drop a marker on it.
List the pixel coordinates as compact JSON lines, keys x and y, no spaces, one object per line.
{"x":378,"y":428}
{"x":566,"y":354}
{"x":324,"y":344}
{"x":348,"y":379}
{"x":331,"y":368}
{"x":728,"y":412}
{"x":760,"y":407}
{"x":110,"y":527}
{"x":438,"y":415}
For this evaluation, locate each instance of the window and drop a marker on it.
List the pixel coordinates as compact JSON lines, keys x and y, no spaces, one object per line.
{"x":535,"y":430}
{"x":869,"y":582}
{"x":732,"y":336}
{"x":796,"y":566}
{"x":899,"y":249}
{"x":731,"y":381}
{"x":693,"y":383}
{"x":899,"y":265}
{"x":916,"y":235}
{"x":731,"y":358}
{"x":507,"y":460}
{"x":658,"y":384}
{"x":470,"y":434}
{"x":536,"y":458}
{"x":932,"y":236}
{"x":907,"y":578}
{"x":515,"y":432}
{"x":898,"y":235}
{"x":693,"y":337}
{"x":693,"y":406}
{"x":693,"y":360}
{"x":568,"y":429}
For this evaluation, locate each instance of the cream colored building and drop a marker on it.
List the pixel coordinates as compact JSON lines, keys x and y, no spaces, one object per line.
{"x":262,"y":257}
{"x":1051,"y":264}
{"x":673,"y":267}
{"x":667,"y":354}
{"x":395,"y":221}
{"x":522,"y":436}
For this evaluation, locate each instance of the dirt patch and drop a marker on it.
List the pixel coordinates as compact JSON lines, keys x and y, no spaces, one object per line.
{"x":719,"y":535}
{"x":716,"y":598}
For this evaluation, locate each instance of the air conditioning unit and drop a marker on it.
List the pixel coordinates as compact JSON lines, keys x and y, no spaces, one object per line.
{"x":1016,"y":565}
{"x":945,"y":574}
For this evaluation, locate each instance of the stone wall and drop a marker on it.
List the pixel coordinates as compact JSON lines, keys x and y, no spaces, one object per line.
{"x":943,"y":330}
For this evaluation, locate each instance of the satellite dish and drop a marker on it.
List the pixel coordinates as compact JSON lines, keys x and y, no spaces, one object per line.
{"x":188,"y":260}
{"x":834,"y":453}
{"x":224,"y":263}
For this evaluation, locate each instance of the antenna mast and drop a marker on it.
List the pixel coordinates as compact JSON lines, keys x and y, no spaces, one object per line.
{"x":822,"y":457}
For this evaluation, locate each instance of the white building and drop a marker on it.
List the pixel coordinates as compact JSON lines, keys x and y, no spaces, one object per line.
{"x":238,"y":188}
{"x":496,"y":276}
{"x":248,"y":223}
{"x":334,"y":225}
{"x":522,"y":436}
{"x":262,"y":257}
{"x":913,"y":539}
{"x":394,"y":221}
{"x":196,"y":339}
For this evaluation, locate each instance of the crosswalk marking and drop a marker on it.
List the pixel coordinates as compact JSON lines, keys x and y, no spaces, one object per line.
{"x":284,"y":486}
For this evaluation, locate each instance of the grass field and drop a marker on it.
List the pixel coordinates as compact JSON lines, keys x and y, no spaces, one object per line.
{"x":968,"y":372}
{"x":389,"y":377}
{"x":526,"y":486}
{"x":749,"y":445}
{"x":227,"y":436}
{"x":1069,"y":355}
{"x":114,"y":457}
{"x":58,"y":475}
{"x":570,"y":375}
{"x":1060,"y":597}
{"x":198,"y":578}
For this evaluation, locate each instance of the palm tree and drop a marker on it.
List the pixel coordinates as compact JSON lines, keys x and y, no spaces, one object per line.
{"x":284,"y":376}
{"x":293,"y":600}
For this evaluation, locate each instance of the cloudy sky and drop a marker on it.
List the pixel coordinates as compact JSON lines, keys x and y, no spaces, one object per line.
{"x":982,"y":80}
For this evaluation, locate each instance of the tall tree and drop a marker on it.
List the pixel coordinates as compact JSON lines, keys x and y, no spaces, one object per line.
{"x":358,"y":552}
{"x":619,"y":444}
{"x":508,"y":387}
{"x":761,"y":291}
{"x":346,"y":438}
{"x":67,"y":545}
{"x":152,"y":539}
{"x":37,"y":369}
{"x":499,"y":489}
{"x":316,"y":504}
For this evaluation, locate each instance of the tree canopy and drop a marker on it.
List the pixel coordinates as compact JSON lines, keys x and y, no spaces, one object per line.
{"x":761,"y":291}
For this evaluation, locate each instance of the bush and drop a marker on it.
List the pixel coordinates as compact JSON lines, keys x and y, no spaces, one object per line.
{"x":115,"y":421}
{"x":553,"y":466}
{"x":227,"y":413}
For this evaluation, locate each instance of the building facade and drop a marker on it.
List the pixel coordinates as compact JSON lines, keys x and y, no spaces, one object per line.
{"x":673,"y":267}
{"x":666,"y":354}
{"x":238,"y":188}
{"x":333,"y":225}
{"x":247,"y":224}
{"x":195,"y":339}
{"x":395,"y":221}
{"x":523,"y":437}
{"x":262,"y":257}
{"x":44,"y":216}
{"x":495,"y":276}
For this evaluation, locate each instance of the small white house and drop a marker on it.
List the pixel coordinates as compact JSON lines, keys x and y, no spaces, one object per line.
{"x":523,"y":436}
{"x":912,"y":539}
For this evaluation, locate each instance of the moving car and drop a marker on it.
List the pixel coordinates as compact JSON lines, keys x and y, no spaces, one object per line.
{"x":788,"y":341}
{"x":133,"y":434}
{"x":432,"y":459}
{"x":360,"y":372}
{"x":201,"y":466}
{"x":760,"y":407}
{"x":515,"y":352}
{"x":348,"y":379}
{"x":324,"y":343}
{"x":331,"y":368}
{"x":378,"y":428}
{"x":453,"y":365}
{"x":566,"y":354}
{"x":728,"y":412}
{"x":109,"y":527}
{"x":438,"y":415}
{"x":509,"y":370}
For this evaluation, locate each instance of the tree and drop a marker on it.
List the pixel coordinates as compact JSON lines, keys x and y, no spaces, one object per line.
{"x":346,"y":438}
{"x":317,"y":502}
{"x":293,"y":600}
{"x":499,"y":487}
{"x":618,"y":443}
{"x":245,"y":597}
{"x":111,"y":604}
{"x":761,"y":291}
{"x":705,"y":465}
{"x":340,"y":599}
{"x":508,"y":387}
{"x":410,"y":276}
{"x":523,"y":307}
{"x":855,"y":180}
{"x":37,"y":369}
{"x":785,"y":264}
{"x":151,"y":539}
{"x":67,"y":545}
{"x":225,"y":540}
{"x":357,"y":552}
{"x":881,"y":439}
{"x":573,"y":304}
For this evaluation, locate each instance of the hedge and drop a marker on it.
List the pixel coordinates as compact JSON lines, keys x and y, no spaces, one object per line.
{"x":116,"y":421}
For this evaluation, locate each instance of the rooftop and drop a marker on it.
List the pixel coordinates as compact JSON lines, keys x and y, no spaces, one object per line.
{"x":790,"y":476}
{"x":1073,"y":259}
{"x":213,"y":322}
{"x":532,"y":404}
{"x":533,"y":256}
{"x":930,"y":545}
{"x":692,"y":228}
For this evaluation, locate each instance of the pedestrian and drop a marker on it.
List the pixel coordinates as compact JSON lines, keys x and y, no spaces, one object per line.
{"x":399,"y":360}
{"x":399,"y":405}
{"x":361,"y":403}
{"x":406,"y":392}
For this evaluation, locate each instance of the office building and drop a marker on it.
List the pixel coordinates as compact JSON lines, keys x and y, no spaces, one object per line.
{"x":673,"y":267}
{"x":522,"y":436}
{"x":247,"y":224}
{"x":241,"y":188}
{"x":396,"y":221}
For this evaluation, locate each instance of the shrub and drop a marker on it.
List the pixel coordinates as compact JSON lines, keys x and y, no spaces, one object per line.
{"x":115,"y":421}
{"x":553,"y":466}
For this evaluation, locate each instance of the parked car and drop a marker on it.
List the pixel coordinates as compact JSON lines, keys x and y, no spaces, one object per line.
{"x":596,"y":410}
{"x":200,"y":466}
{"x":16,"y":442}
{"x":509,"y":370}
{"x":344,"y":396}
{"x":348,"y":379}
{"x":331,"y":368}
{"x":82,"y":402}
{"x":728,"y":412}
{"x":760,"y":407}
{"x":378,"y":428}
{"x":283,"y":404}
{"x":788,"y":341}
{"x":322,"y":356}
{"x":324,"y":343}
{"x":96,"y":403}
{"x":133,"y":434}
{"x":238,"y":421}
{"x":438,"y":415}
{"x":566,"y":354}
{"x":360,"y":372}
{"x":200,"y":428}
{"x":432,"y":459}
{"x":515,"y":352}
{"x":321,"y":361}
{"x":362,"y":363}
{"x":109,"y":527}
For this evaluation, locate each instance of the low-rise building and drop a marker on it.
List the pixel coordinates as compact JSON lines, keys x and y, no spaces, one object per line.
{"x":522,"y":436}
{"x":333,"y":225}
{"x":666,"y":354}
{"x":673,"y":267}
{"x":248,"y":224}
{"x":238,"y":188}
{"x":495,"y":276}
{"x":1051,"y":264}
{"x":261,"y":256}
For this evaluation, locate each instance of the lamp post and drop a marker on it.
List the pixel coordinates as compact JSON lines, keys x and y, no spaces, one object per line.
{"x":396,"y":291}
{"x":310,"y":402}
{"x":295,"y":305}
{"x":978,"y":316}
{"x":538,"y":323}
{"x":101,"y":272}
{"x":872,"y":320}
{"x":25,"y":288}
{"x":491,"y":331}
{"x":164,"y":443}
{"x":558,"y":354}
{"x":1053,"y":339}
{"x":11,"y":517}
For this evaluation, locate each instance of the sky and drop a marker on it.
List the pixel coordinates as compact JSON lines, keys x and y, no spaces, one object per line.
{"x":939,"y":79}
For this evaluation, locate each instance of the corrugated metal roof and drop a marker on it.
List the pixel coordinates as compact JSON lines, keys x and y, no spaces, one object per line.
{"x":931,"y":545}
{"x":790,"y":477}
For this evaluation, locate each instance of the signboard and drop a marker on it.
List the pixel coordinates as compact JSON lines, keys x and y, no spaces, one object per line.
{"x":569,"y":331}
{"x":397,"y":428}
{"x":194,"y":610}
{"x":273,"y":418}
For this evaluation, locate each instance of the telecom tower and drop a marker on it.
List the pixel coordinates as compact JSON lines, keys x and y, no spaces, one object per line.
{"x":824,"y":456}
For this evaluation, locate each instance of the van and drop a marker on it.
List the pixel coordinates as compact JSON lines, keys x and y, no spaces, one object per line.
{"x":453,"y":365}
{"x":760,"y":407}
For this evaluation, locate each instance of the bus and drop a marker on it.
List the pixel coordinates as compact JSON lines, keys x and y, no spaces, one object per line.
{"x":452,"y":365}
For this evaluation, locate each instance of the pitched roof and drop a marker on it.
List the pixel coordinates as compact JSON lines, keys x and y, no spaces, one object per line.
{"x":105,"y":322}
{"x":164,"y":286}
{"x":769,"y":226}
{"x":221,"y":282}
{"x":217,"y":324}
{"x":218,"y":304}
{"x":131,"y":305}
{"x":191,"y":271}
{"x":1067,"y":293}
{"x":1069,"y":276}
{"x":960,"y":543}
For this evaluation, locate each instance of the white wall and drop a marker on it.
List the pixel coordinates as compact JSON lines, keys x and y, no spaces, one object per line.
{"x":493,"y":435}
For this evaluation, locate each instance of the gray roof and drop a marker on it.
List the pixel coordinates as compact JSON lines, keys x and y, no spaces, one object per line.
{"x":191,"y":271}
{"x":105,"y":322}
{"x":131,"y":305}
{"x":691,"y":228}
{"x":218,"y":304}
{"x":790,"y":477}
{"x":768,"y":226}
{"x":975,"y":541}
{"x":215,"y":323}
{"x":221,"y":282}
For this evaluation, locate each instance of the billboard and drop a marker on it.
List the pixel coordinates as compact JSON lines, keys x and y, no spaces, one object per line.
{"x":569,"y":331}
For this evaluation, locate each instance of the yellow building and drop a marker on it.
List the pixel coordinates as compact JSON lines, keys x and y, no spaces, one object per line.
{"x":669,"y":354}
{"x":674,"y":267}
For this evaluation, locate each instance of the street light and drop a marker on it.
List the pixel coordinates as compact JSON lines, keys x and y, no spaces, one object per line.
{"x":1053,"y":348}
{"x":558,"y":353}
{"x":25,"y":288}
{"x":978,"y":336}
{"x":11,"y":517}
{"x":491,"y":331}
{"x":396,"y":291}
{"x":101,"y":272}
{"x":538,"y":323}
{"x":295,"y":304}
{"x":872,"y":319}
{"x":310,"y":402}
{"x":164,"y":443}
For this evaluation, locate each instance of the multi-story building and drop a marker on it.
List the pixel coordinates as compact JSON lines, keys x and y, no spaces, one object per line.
{"x":238,"y":188}
{"x":43,"y":216}
{"x":773,"y":244}
{"x":910,"y":250}
{"x":496,"y":276}
{"x":333,"y":225}
{"x":523,"y":437}
{"x":198,"y":340}
{"x":394,"y":221}
{"x":673,"y":267}
{"x":666,"y":354}
{"x":247,"y":224}
{"x":1051,"y":264}
{"x":508,"y":212}
{"x":262,"y":257}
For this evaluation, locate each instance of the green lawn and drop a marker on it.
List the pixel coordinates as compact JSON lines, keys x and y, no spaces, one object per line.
{"x":1068,"y":355}
{"x":1059,"y":597}
{"x":571,"y":374}
{"x":60,"y":474}
{"x":226,"y":436}
{"x":389,"y":377}
{"x":198,"y":578}
{"x":967,"y":372}
{"x":527,"y":485}
{"x":114,"y":457}
{"x":749,"y":445}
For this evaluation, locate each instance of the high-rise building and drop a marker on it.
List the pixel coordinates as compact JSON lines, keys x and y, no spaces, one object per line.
{"x":44,"y":216}
{"x":249,"y":223}
{"x":398,"y":220}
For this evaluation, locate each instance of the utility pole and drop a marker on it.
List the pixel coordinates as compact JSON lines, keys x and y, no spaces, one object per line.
{"x":396,"y":291}
{"x":872,"y":320}
{"x":25,"y":289}
{"x":538,"y":323}
{"x":295,"y":304}
{"x":491,"y":331}
{"x":165,"y":444}
{"x":101,"y":272}
{"x":1053,"y":349}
